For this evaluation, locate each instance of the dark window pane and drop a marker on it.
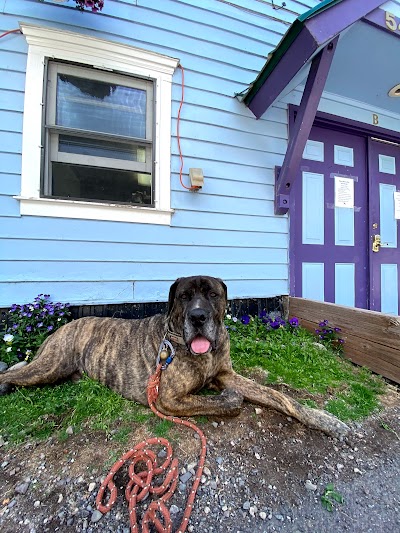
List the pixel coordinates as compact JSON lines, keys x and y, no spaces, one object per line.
{"x":98,"y":106}
{"x":101,"y":184}
{"x":94,"y":147}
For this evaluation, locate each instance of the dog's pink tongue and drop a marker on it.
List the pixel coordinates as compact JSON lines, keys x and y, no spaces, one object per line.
{"x":200,"y":345}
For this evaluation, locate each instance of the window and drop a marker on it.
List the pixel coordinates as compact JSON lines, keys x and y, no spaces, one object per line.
{"x":100,"y":148}
{"x":98,"y":136}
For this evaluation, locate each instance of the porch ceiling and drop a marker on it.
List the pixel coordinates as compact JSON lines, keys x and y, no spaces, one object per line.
{"x":364,"y":67}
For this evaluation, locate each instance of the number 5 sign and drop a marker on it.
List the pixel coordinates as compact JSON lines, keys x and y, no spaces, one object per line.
{"x":391,"y":22}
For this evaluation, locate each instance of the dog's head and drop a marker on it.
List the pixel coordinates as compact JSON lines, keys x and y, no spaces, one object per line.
{"x":196,"y":309}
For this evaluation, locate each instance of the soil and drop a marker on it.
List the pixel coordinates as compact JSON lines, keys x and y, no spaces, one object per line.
{"x":264,"y":472}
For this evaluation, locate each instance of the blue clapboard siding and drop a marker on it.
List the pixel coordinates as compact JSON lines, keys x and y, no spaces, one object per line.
{"x":114,"y":271}
{"x":228,"y":229}
{"x":102,"y":231}
{"x":94,"y":251}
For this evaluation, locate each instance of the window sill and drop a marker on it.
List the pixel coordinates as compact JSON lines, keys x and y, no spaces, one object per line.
{"x":52,"y":207}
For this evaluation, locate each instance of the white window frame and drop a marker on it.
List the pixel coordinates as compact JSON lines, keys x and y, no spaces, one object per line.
{"x":90,"y":51}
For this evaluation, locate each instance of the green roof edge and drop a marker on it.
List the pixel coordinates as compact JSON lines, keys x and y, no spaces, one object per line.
{"x":285,"y":43}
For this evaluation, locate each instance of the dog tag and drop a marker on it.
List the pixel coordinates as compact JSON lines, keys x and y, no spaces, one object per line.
{"x":163,"y":354}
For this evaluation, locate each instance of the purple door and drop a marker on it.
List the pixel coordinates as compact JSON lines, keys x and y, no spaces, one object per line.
{"x":344,"y":222}
{"x":384,"y":207}
{"x":329,"y":220}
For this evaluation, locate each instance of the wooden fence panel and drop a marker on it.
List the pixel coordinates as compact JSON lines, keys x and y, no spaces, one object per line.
{"x":372,"y":339}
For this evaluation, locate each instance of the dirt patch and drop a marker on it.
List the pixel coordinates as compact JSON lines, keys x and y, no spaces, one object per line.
{"x":265,"y":472}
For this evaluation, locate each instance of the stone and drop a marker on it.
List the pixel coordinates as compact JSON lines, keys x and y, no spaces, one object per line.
{"x":22,"y":488}
{"x":18,"y":365}
{"x":184,"y":478}
{"x":69,"y":430}
{"x":3,"y":366}
{"x":310,"y":486}
{"x":253,"y":510}
{"x":206,"y":471}
{"x":174,"y":509}
{"x":262,"y":515}
{"x":319,"y":346}
{"x":96,"y":516}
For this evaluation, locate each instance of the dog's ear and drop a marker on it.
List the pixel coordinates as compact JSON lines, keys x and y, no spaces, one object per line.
{"x":171,"y":297}
{"x":224,"y":287}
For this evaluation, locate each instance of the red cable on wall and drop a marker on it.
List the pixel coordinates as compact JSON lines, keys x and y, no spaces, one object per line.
{"x":10,"y":31}
{"x":177,"y":132}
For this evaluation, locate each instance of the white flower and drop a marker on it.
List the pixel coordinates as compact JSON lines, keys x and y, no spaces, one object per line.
{"x":58,"y":319}
{"x":8,"y":349}
{"x":8,"y":338}
{"x":28,"y":352}
{"x":228,"y":317}
{"x":234,"y":319}
{"x":31,"y":308}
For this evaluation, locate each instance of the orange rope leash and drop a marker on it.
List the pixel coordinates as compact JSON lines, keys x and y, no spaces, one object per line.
{"x":140,"y":484}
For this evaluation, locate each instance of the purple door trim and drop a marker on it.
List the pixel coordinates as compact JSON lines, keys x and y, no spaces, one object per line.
{"x":346,"y":125}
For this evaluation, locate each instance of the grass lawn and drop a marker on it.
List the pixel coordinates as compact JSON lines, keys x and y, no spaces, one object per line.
{"x":288,"y":355}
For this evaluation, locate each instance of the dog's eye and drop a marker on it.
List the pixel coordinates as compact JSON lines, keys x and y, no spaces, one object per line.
{"x":213,"y":294}
{"x":184,"y":296}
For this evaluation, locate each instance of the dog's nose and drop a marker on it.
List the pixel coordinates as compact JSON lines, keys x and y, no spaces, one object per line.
{"x":198,"y":316}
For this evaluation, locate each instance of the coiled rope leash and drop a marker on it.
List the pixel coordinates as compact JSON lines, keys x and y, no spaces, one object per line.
{"x":140,"y":483}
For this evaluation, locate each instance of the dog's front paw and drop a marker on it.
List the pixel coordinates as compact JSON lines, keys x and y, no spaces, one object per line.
{"x":328,"y":423}
{"x":233,"y":400}
{"x":5,"y":388}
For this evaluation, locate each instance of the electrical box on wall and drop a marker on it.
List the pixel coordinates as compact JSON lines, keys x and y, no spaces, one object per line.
{"x":196,"y":177}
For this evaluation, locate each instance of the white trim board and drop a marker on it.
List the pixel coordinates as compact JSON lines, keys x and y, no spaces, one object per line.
{"x":46,"y":42}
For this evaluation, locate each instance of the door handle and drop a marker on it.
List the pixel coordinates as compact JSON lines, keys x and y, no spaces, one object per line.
{"x":376,"y":243}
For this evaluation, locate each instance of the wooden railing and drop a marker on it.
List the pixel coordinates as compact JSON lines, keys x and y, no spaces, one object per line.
{"x":372,"y":339}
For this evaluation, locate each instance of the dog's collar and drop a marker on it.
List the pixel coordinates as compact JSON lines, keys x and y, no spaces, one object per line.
{"x":174,"y":337}
{"x":166,"y":352}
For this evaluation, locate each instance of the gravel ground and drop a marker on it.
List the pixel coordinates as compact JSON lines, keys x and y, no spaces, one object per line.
{"x":264,"y":472}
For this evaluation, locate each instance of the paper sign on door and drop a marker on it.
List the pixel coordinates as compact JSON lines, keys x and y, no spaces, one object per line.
{"x":397,"y":205}
{"x":344,"y":192}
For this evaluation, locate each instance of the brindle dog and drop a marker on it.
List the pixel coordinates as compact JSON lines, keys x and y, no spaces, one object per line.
{"x":122,"y":354}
